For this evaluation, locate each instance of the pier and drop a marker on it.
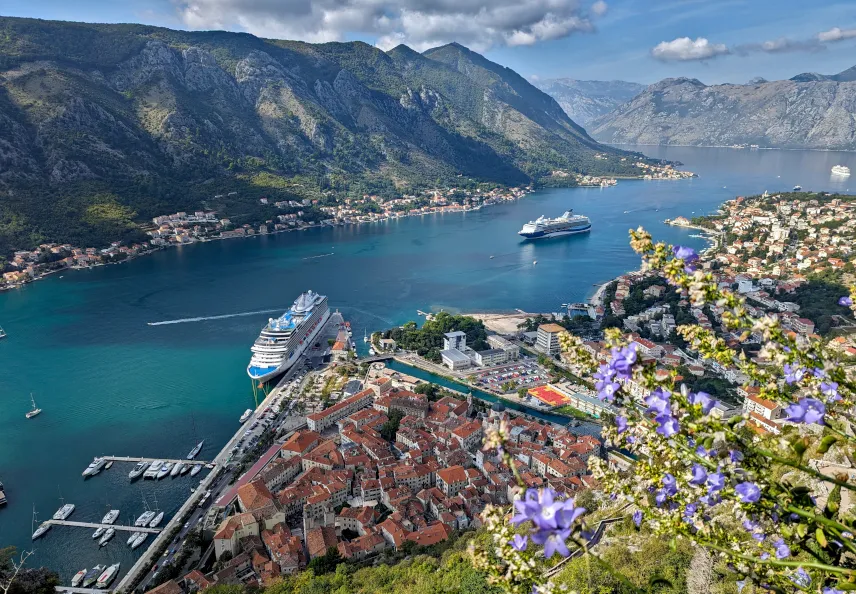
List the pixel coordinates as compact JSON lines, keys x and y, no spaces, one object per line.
{"x":150,"y":460}
{"x":81,"y":590}
{"x":116,"y":527}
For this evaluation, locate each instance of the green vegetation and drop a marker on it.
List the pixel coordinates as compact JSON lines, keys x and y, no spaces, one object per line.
{"x":137,"y":145}
{"x":27,"y":580}
{"x":818,"y":301}
{"x":428,"y":340}
{"x":390,"y":428}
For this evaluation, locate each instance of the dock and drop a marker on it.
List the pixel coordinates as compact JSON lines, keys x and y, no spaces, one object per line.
{"x":150,"y":460}
{"x":105,"y":526}
{"x":82,"y":590}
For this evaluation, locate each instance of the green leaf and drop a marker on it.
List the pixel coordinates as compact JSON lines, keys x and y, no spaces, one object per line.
{"x":802,"y":530}
{"x":846,"y":586}
{"x":826,"y":443}
{"x":799,"y":446}
{"x":821,"y":537}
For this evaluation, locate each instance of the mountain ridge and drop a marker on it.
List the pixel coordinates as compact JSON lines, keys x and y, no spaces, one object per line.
{"x":147,"y":119}
{"x":808,"y":111}
{"x":585,"y":100}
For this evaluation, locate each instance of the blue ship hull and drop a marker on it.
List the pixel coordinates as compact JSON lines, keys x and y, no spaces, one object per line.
{"x":557,"y":233}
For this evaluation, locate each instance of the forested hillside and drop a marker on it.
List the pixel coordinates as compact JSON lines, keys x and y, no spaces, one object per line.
{"x":104,"y":126}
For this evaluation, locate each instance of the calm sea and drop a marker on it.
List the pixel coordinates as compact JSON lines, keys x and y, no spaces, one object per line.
{"x":110,"y":383}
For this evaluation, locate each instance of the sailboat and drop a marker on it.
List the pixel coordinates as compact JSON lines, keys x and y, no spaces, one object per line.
{"x":35,"y":410}
{"x":65,"y":510}
{"x":43,"y":527}
{"x":365,"y":336}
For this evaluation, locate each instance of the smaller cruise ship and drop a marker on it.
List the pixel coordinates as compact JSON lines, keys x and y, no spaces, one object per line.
{"x":842,"y":170}
{"x":567,"y":224}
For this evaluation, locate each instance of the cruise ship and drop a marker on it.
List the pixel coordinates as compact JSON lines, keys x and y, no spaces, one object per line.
{"x":842,"y":170}
{"x":285,"y":338}
{"x":566,"y":224}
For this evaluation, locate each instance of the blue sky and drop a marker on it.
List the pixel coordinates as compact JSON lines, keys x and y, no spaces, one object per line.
{"x":639,"y":40}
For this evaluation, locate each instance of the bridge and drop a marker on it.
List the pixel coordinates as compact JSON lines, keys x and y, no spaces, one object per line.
{"x":150,"y":460}
{"x":105,"y":526}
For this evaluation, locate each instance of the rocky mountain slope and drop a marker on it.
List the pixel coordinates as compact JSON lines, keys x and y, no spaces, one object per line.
{"x":807,"y":111}
{"x":585,"y":100}
{"x":104,"y":125}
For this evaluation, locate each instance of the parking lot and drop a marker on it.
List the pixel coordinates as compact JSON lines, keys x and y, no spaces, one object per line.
{"x":522,"y":374}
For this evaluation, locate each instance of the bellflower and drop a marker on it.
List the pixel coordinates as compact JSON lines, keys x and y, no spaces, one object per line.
{"x":606,"y":391}
{"x":553,"y":542}
{"x":687,"y":254}
{"x":658,"y":401}
{"x":735,"y":456}
{"x":846,"y":301}
{"x":621,"y":424}
{"x":832,"y":591}
{"x":637,"y":518}
{"x":604,"y":373}
{"x":668,"y":425}
{"x":623,"y":361}
{"x":740,"y":585}
{"x":801,"y":578}
{"x":830,"y":390}
{"x":670,"y":485}
{"x":807,"y":410}
{"x":519,"y":542}
{"x":819,"y":373}
{"x":701,"y":451}
{"x":715,"y":482}
{"x":546,"y":515}
{"x":783,"y":551}
{"x":699,"y":475}
{"x":748,"y":491}
{"x":526,"y":507}
{"x":702,"y":399}
{"x":793,"y":373}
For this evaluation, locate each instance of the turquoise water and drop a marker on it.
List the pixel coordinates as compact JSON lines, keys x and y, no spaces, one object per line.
{"x":110,"y":383}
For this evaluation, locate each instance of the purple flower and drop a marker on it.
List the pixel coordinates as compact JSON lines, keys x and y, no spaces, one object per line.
{"x":546,"y":514}
{"x":782,"y":550}
{"x":715,"y":482}
{"x":553,"y":541}
{"x":606,"y":391}
{"x":687,"y":254}
{"x":623,"y":361}
{"x":701,"y":451}
{"x":621,"y":424}
{"x":748,"y":491}
{"x":819,"y":373}
{"x":519,"y":542}
{"x":702,"y":399}
{"x":658,"y":401}
{"x":568,"y":513}
{"x":661,"y":497}
{"x":740,"y":585}
{"x":526,"y":507}
{"x":830,"y":390}
{"x":699,"y":475}
{"x":668,"y":425}
{"x":832,"y":591}
{"x":794,"y":373}
{"x":846,"y":301}
{"x":670,"y":485}
{"x":604,"y":373}
{"x":735,"y":456}
{"x":807,"y":410}
{"x":801,"y":578}
{"x":637,"y":518}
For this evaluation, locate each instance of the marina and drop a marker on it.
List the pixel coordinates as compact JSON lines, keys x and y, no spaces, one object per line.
{"x":118,"y":527}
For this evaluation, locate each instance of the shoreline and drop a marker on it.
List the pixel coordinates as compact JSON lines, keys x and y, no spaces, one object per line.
{"x":729,"y":146}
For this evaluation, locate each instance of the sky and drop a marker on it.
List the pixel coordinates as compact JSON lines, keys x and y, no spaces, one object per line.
{"x":716,"y":41}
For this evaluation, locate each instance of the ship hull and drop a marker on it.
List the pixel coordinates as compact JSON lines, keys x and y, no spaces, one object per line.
{"x":558,"y":233}
{"x":267,"y":373}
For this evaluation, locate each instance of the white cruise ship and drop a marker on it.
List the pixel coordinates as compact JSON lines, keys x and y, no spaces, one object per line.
{"x":285,"y":338}
{"x":566,"y":224}
{"x":841,"y":170}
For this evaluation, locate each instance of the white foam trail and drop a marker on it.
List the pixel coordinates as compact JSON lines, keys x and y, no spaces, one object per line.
{"x":221,"y":317}
{"x":318,"y":256}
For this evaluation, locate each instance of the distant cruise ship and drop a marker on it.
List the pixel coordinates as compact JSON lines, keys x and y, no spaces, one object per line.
{"x":841,"y":170}
{"x":285,"y":338}
{"x":566,"y":224}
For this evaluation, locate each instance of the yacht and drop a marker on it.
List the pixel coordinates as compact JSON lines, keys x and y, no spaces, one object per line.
{"x":33,"y":411}
{"x":176,"y":470}
{"x":134,"y":536}
{"x":247,"y":414}
{"x":185,"y":468}
{"x":110,"y":517}
{"x":43,"y":527}
{"x":164,"y":470}
{"x":197,"y":468}
{"x":284,"y":339}
{"x":153,"y":470}
{"x":138,"y":539}
{"x":110,"y":533}
{"x":566,"y":224}
{"x":156,"y":520}
{"x":78,"y":577}
{"x":93,"y":574}
{"x":842,"y":170}
{"x":195,"y":451}
{"x":94,"y":467}
{"x":108,"y":576}
{"x":144,"y":518}
{"x":63,"y":512}
{"x":2,"y":495}
{"x":99,"y":532}
{"x":138,"y":470}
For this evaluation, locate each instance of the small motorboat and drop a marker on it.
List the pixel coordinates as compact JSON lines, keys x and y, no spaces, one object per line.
{"x":78,"y":578}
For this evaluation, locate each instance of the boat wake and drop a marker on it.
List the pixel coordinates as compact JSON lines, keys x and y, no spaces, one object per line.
{"x":318,"y":256}
{"x":221,"y":317}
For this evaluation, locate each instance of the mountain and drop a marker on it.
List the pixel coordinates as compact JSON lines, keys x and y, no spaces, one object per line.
{"x":808,"y":111}
{"x":585,"y":100}
{"x":105,"y":126}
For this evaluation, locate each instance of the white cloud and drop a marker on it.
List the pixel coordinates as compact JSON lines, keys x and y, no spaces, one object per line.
{"x":836,"y":34}
{"x":685,"y":49}
{"x":780,"y":46}
{"x":421,"y":24}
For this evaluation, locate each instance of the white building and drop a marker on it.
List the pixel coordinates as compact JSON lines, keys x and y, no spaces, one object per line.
{"x":455,"y":359}
{"x":548,"y":338}
{"x":512,"y":351}
{"x":455,"y":340}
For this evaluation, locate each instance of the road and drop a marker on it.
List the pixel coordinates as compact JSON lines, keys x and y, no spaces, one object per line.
{"x":243,"y":441}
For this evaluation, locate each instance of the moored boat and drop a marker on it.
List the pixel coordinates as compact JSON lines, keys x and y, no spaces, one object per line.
{"x":164,"y":470}
{"x":247,"y":414}
{"x":139,"y":539}
{"x":99,"y":532}
{"x":138,"y":470}
{"x":153,"y":470}
{"x":110,"y":517}
{"x":78,"y":577}
{"x":63,"y":512}
{"x":110,"y":533}
{"x":144,"y":518}
{"x":93,"y":574}
{"x":107,"y":576}
{"x":176,"y":470}
{"x":195,"y":451}
{"x":2,"y":495}
{"x":156,"y":520}
{"x":197,"y":468}
{"x":94,"y":467}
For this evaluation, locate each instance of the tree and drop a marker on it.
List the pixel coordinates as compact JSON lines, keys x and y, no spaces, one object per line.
{"x":16,"y":579}
{"x":390,"y":428}
{"x":327,"y":562}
